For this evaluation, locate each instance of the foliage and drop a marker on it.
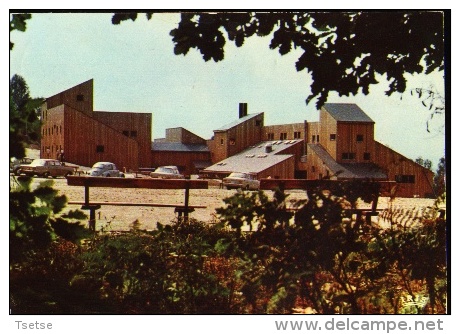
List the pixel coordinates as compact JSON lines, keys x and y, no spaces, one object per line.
{"x":343,"y":51}
{"x":433,"y":100}
{"x":18,"y":22}
{"x":440,"y":179}
{"x":424,"y":162}
{"x":324,"y":259}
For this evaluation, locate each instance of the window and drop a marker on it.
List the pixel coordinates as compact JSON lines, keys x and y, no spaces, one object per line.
{"x":332,"y":136}
{"x":348,"y":156}
{"x":297,"y":134}
{"x":100,"y":149}
{"x":258,"y":122}
{"x":283,"y":136}
{"x":359,"y":138}
{"x":126,"y":133}
{"x":232,"y":142}
{"x":367,"y":156}
{"x":80,"y":97}
{"x":222,"y":141}
{"x":313,"y":138}
{"x":405,"y":178}
{"x":317,"y":138}
{"x":271,"y":136}
{"x":133,"y":133}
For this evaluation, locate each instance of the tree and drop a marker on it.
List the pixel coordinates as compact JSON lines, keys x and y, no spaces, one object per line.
{"x":24,"y":117}
{"x":440,"y":179}
{"x":424,"y":162}
{"x":18,"y":22}
{"x":343,"y":51}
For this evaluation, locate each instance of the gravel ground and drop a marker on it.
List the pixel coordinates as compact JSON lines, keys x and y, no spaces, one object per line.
{"x":117,"y":218}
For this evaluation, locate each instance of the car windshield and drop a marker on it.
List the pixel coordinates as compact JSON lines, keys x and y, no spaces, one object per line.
{"x":38,"y":162}
{"x":239,"y":175}
{"x":165,"y":170}
{"x":98,"y":165}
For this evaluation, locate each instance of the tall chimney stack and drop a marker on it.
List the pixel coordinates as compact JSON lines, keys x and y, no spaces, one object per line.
{"x":243,"y":110}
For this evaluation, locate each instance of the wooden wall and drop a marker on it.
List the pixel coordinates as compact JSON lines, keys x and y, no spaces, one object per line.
{"x":396,"y":164}
{"x":70,"y":97}
{"x":52,"y":139}
{"x":288,"y":129}
{"x":83,"y":134}
{"x":234,"y":140}
{"x":282,"y":170}
{"x":346,"y":141}
{"x":128,"y":122}
{"x":328,"y":127}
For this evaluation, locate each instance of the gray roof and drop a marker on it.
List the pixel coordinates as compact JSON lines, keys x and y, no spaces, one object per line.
{"x":347,"y":112}
{"x":348,"y":170}
{"x":255,"y":159}
{"x":179,"y":147}
{"x":237,"y":122}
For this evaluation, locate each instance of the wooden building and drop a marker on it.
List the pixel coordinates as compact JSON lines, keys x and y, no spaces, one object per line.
{"x":183,"y":149}
{"x":70,"y":125}
{"x":342,"y":146}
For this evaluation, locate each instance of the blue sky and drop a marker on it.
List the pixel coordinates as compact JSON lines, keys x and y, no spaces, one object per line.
{"x":134,"y":69}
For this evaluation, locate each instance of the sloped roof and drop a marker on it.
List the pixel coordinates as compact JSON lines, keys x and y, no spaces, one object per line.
{"x":179,"y":147}
{"x":347,"y":112}
{"x":255,"y":159}
{"x":237,"y":122}
{"x":348,"y":170}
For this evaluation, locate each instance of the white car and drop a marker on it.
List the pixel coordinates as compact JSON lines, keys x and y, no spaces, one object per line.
{"x":241,"y":180}
{"x":166,"y":172}
{"x":106,"y":169}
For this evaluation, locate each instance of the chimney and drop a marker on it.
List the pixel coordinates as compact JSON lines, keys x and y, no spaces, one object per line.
{"x":243,"y":110}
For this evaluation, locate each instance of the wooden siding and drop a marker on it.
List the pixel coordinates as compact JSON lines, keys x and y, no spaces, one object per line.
{"x":69,"y":97}
{"x":328,"y":127}
{"x":53,"y":129}
{"x":347,"y":143}
{"x":181,"y":135}
{"x":83,"y":134}
{"x":288,"y":129}
{"x":236,"y":139}
{"x":316,"y":170}
{"x":282,"y":170}
{"x":396,"y":164}
{"x":128,"y":123}
{"x":183,"y":160}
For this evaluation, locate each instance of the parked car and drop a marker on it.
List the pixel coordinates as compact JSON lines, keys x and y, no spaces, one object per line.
{"x":46,"y":168}
{"x":105,"y":169}
{"x":16,"y":163}
{"x":241,"y":180}
{"x":167,"y":172}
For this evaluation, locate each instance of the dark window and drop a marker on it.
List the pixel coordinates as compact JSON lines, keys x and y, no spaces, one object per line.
{"x":313,"y":138}
{"x":222,"y":142}
{"x":126,"y":133}
{"x":283,"y":136}
{"x":80,"y":97}
{"x":405,"y":178}
{"x":348,"y":156}
{"x":100,"y":149}
{"x":367,"y":156}
{"x":270,"y":136}
{"x":297,"y":135}
{"x":258,"y":122}
{"x":133,"y":133}
{"x":317,"y":138}
{"x":332,"y":136}
{"x":359,"y":138}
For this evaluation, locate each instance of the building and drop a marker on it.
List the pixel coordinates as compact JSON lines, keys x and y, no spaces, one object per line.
{"x":341,"y":146}
{"x":70,"y":125}
{"x":183,"y":149}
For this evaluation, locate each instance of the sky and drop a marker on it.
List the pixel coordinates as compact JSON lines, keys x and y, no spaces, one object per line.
{"x":135,"y":70}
